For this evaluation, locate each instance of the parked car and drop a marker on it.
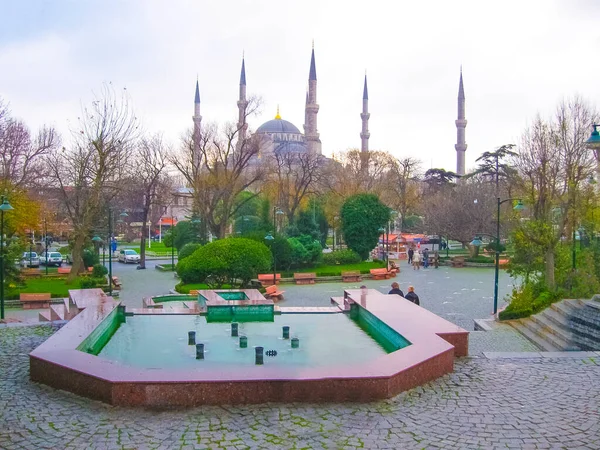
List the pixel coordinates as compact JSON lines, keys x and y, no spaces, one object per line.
{"x":129,"y":256}
{"x":30,"y":259}
{"x":51,"y":259}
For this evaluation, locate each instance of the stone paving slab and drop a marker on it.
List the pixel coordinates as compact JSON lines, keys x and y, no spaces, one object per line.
{"x":484,"y":404}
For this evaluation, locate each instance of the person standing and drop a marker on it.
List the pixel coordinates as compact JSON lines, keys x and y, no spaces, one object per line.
{"x":436,"y":259}
{"x":425,"y":258}
{"x":416,"y":260}
{"x":396,"y":290}
{"x":411,"y":252}
{"x":411,"y":296}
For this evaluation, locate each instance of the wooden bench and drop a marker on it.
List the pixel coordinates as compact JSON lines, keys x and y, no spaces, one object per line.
{"x":305,"y":278}
{"x":149,"y":303}
{"x":35,"y":301}
{"x":194,"y":292}
{"x":266,"y":279}
{"x":350,"y":276}
{"x":116,"y":282}
{"x":381,"y":274}
{"x":272,"y":292}
{"x":63,"y":270}
{"x":458,"y":261}
{"x":31,"y":272}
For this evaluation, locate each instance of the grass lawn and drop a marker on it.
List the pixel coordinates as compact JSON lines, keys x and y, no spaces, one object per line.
{"x":56,"y":287}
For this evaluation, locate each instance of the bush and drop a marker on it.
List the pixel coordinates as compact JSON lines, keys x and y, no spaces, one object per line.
{"x":99,"y":271}
{"x":515,"y":314}
{"x":187,"y":250}
{"x":90,"y":258}
{"x":91,"y":282}
{"x":232,"y":261}
{"x":341,"y":257}
{"x":481,"y":260}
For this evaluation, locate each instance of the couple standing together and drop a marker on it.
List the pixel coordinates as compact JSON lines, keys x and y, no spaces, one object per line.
{"x":410,"y":295}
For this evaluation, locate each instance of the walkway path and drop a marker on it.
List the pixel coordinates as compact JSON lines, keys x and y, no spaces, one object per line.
{"x":497,"y":403}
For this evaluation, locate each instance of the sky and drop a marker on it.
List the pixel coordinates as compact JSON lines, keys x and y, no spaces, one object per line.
{"x":519,"y":59}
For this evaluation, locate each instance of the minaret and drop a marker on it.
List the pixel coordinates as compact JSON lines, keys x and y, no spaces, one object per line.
{"x":197,"y":118}
{"x":461,"y":124}
{"x":311,"y":134}
{"x":364,"y":134}
{"x":242,"y":104}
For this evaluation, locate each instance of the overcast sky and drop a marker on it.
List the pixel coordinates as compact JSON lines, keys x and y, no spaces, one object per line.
{"x":519,"y":58}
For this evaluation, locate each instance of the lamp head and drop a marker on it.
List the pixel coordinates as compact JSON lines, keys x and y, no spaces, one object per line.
{"x":5,"y":206}
{"x":519,"y":206}
{"x":594,"y":139}
{"x":97,"y":239}
{"x":269,"y":237}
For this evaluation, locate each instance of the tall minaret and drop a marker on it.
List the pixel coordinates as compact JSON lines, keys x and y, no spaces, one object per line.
{"x":461,"y":124}
{"x":311,"y":134}
{"x":197,"y":118}
{"x":242,"y":104}
{"x":364,"y":134}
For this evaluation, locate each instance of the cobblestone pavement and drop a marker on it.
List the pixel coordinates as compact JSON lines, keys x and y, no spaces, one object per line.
{"x":502,"y":403}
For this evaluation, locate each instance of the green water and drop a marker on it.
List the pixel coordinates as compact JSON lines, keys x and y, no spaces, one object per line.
{"x":162,"y":342}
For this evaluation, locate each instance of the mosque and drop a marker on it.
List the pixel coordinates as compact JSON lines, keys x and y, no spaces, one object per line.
{"x":281,"y":136}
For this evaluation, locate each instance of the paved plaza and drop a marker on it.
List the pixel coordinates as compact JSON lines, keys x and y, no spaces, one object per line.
{"x":486,"y":403}
{"x":514,"y":402}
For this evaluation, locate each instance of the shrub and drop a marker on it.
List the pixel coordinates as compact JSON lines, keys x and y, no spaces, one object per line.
{"x":299,"y":255}
{"x":232,"y":261}
{"x":481,"y":260}
{"x":89,"y":257}
{"x":515,"y":314}
{"x":341,"y":257}
{"x":91,"y":282}
{"x":99,"y":271}
{"x":187,"y":250}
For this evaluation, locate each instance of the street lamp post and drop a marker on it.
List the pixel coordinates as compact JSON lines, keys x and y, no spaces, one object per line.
{"x":477,"y":242}
{"x":46,"y":239}
{"x":172,"y":242}
{"x":110,"y":254}
{"x":5,"y":206}
{"x":269,"y":238}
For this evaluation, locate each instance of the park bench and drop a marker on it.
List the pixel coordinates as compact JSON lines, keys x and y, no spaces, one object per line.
{"x":458,"y":261}
{"x":31,"y":272}
{"x":116,"y":282}
{"x":272,"y":292}
{"x":194,"y":292}
{"x":63,"y":270}
{"x":381,"y":274}
{"x":266,"y":279}
{"x":305,"y":278}
{"x":149,"y":303}
{"x":35,"y":301}
{"x":352,"y":275}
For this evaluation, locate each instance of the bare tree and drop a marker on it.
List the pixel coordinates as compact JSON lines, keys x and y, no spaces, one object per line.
{"x":151,"y":158}
{"x":89,"y":171}
{"x":21,"y":155}
{"x":403,"y":186}
{"x":296,"y":176}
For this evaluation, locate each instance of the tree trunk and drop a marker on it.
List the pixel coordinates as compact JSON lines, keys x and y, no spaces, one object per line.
{"x":76,"y":255}
{"x":549,"y":261}
{"x":143,"y":238}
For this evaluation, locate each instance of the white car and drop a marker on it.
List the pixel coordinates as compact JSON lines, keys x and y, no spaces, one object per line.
{"x":129,"y":256}
{"x":51,"y":259}
{"x":30,"y":259}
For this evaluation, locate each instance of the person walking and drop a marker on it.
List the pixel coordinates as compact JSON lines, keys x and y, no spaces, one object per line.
{"x":436,"y":259}
{"x":416,"y":260}
{"x":411,"y":296}
{"x":425,"y":258}
{"x":411,"y":252}
{"x":396,"y":290}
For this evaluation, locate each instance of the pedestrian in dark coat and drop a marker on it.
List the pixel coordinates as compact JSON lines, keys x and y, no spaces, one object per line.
{"x":411,"y":252}
{"x":396,"y":290}
{"x":411,"y":296}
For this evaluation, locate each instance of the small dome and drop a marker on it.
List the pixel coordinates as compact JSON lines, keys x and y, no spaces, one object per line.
{"x":278,"y":126}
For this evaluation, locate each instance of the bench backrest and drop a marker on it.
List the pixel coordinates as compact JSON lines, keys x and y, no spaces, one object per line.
{"x":352,"y":273}
{"x":304,"y":275}
{"x":35,"y":297}
{"x":378,"y":271}
{"x":271,"y":289}
{"x":194,"y":292}
{"x":268,"y":276}
{"x":64,"y":270}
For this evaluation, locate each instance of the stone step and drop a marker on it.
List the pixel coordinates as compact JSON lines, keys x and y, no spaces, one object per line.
{"x":554,"y":340}
{"x":549,"y":326}
{"x":555,"y":317}
{"x":564,"y":308}
{"x":44,"y":316}
{"x":57,"y":312}
{"x":533,"y":337}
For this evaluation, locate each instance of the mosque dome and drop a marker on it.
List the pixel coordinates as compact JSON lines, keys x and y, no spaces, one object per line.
{"x":277,"y":126}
